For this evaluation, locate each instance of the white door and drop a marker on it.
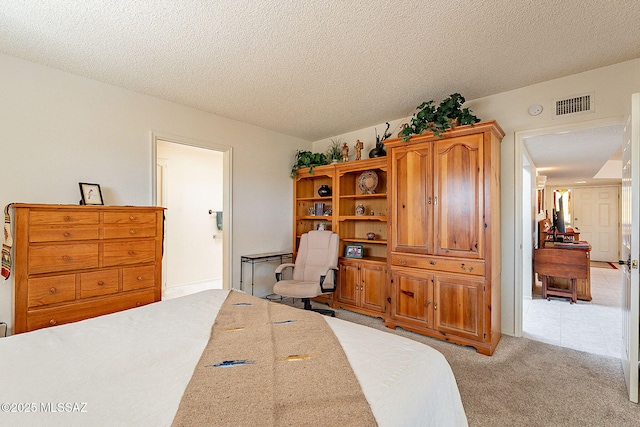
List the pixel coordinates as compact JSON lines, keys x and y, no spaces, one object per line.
{"x":595,"y":215}
{"x":630,"y":247}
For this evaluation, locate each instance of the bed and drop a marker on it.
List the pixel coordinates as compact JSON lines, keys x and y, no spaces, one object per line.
{"x":132,"y":368}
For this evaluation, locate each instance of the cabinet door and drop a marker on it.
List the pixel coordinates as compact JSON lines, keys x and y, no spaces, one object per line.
{"x":458,"y":307}
{"x":410,"y":192}
{"x":458,"y":196}
{"x":348,"y":283}
{"x":412,"y":296}
{"x":373,"y":280}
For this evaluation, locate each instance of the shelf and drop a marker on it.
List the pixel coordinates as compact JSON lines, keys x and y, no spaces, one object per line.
{"x":365,"y":196}
{"x":314,"y":199}
{"x":381,"y":260}
{"x":315,"y":217}
{"x":382,"y":218}
{"x":373,"y":242}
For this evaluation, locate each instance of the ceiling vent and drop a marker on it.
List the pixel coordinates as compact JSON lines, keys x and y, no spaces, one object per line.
{"x":575,"y":105}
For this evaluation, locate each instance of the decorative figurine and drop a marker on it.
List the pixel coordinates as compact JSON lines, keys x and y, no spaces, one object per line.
{"x":371,"y":235}
{"x":359,"y":146}
{"x":360,"y":210}
{"x":345,"y":152}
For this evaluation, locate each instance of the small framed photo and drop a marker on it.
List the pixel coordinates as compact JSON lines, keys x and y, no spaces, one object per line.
{"x":353,"y":251}
{"x":91,"y":194}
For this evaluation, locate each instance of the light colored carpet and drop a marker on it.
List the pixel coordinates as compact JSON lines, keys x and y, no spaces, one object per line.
{"x":529,"y":383}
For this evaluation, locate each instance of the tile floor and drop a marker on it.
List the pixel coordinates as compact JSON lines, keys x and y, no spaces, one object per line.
{"x":592,"y":326}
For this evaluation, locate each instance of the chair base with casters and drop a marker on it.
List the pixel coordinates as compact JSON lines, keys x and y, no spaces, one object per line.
{"x":315,"y":269}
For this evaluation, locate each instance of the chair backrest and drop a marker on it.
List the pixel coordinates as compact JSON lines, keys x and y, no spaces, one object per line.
{"x":318,"y":251}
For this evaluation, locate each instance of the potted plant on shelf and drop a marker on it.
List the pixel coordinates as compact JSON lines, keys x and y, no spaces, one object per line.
{"x":334,"y":152}
{"x":447,"y":115}
{"x":307,"y":159}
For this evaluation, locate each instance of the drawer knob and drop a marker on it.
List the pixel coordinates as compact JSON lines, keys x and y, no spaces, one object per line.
{"x":138,"y":304}
{"x":65,"y":258}
{"x":53,"y":290}
{"x":131,"y":253}
{"x":132,"y":217}
{"x":140,"y":278}
{"x":432,"y":262}
{"x":66,"y":234}
{"x":66,"y":218}
{"x":132,"y":231}
{"x":100,"y":283}
{"x":52,"y":322}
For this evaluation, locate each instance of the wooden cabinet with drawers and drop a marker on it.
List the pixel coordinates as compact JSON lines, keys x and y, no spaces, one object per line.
{"x":444,"y":232}
{"x":77,"y":262}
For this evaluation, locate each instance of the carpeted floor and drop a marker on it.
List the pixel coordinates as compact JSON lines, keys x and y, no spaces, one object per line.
{"x":529,"y":383}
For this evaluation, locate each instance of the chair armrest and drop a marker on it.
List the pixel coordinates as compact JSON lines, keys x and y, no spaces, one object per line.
{"x":280,"y":269}
{"x":334,"y":281}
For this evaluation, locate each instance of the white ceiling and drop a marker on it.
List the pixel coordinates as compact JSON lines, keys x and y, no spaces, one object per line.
{"x":317,"y":68}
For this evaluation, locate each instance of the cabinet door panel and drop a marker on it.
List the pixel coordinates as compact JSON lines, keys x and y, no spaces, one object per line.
{"x":348,"y":283}
{"x":458,"y":199}
{"x":411,"y":169}
{"x":412,"y":296}
{"x":459,"y":306}
{"x":373,"y":280}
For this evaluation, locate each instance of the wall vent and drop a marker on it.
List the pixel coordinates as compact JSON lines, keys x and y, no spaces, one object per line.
{"x":574,"y":105}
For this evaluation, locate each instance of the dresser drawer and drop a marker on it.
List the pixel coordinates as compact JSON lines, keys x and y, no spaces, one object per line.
{"x":126,"y":231}
{"x":125,"y":253}
{"x":51,"y":290}
{"x":98,"y":283}
{"x":62,"y":233}
{"x":53,"y":258}
{"x":62,"y":217}
{"x":450,"y":265}
{"x":130,"y":218}
{"x":45,"y":317}
{"x":138,"y":277}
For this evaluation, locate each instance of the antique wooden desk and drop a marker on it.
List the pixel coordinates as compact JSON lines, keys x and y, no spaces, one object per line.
{"x":564,"y":269}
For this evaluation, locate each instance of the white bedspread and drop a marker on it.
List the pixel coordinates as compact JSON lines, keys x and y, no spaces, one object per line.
{"x":131,"y":368}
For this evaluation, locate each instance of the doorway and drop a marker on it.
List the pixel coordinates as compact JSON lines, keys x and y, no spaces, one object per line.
{"x":192,"y":181}
{"x":523,"y":228}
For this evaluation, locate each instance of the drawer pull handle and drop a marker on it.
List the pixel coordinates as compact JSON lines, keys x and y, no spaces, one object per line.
{"x":427,"y":304}
{"x":402,"y":261}
{"x":100,"y":283}
{"x":132,"y":231}
{"x":53,"y":290}
{"x":131,"y":252}
{"x":66,"y":218}
{"x":66,"y":234}
{"x":140,"y":278}
{"x":467,"y":270}
{"x":52,"y":322}
{"x":407,"y":293}
{"x":432,"y":262}
{"x":132,"y":217}
{"x":435,"y":306}
{"x":65,"y":258}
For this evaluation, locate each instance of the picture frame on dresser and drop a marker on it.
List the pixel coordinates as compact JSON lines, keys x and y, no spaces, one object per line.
{"x":91,"y":194}
{"x":353,"y":251}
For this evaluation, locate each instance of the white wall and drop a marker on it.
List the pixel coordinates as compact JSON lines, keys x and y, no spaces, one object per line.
{"x":193,"y":187}
{"x":613,"y":86}
{"x":58,"y":129}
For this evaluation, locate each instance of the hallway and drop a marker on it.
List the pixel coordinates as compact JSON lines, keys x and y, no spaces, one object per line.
{"x":591,"y":326}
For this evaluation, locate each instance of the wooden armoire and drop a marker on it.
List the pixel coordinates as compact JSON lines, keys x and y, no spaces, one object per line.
{"x":443,"y":254}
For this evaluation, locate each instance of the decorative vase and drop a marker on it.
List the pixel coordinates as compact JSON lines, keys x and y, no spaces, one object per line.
{"x":360,"y":210}
{"x":378,"y":150}
{"x":371,"y":235}
{"x":324,"y":191}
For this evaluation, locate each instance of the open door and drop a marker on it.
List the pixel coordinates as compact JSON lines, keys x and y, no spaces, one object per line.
{"x":630,"y":248}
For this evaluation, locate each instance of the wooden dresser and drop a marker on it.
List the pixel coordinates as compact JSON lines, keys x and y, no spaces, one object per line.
{"x":76,"y":262}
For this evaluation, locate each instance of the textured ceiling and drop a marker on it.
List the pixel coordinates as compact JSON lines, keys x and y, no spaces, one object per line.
{"x":567,"y":157}
{"x":317,"y":68}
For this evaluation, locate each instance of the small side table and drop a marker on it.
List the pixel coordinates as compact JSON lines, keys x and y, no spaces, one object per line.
{"x":254,"y":259}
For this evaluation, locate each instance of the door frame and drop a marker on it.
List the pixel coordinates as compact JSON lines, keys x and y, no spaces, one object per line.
{"x":227,"y":162}
{"x":519,"y":261}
